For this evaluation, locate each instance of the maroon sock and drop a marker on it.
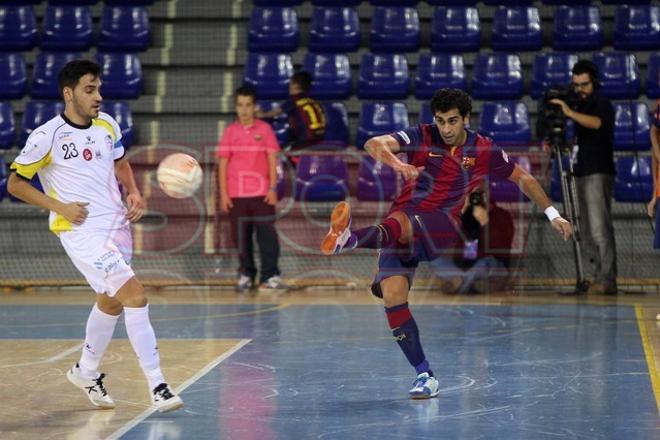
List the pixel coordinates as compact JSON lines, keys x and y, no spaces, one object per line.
{"x":380,"y":236}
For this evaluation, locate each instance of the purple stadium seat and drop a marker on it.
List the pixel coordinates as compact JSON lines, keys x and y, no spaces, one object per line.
{"x":124,"y":28}
{"x":128,"y":2}
{"x":393,"y":2}
{"x":18,"y":28}
{"x":517,"y":28}
{"x":653,"y":76}
{"x":269,"y":74}
{"x":67,"y":27}
{"x":497,"y":76}
{"x":334,"y":30}
{"x":637,"y":27}
{"x":619,"y":74}
{"x":380,"y":118}
{"x":336,"y":3}
{"x":273,"y":30}
{"x":551,"y":68}
{"x":394,"y":29}
{"x":275,"y":3}
{"x":280,"y":123}
{"x":577,"y":27}
{"x":331,"y":75}
{"x":439,"y":70}
{"x":35,"y":114}
{"x":455,"y":29}
{"x":634,"y":179}
{"x":321,"y":179}
{"x":631,"y":126}
{"x":7,"y":126}
{"x":13,"y":78}
{"x":121,"y":112}
{"x":507,"y":191}
{"x":336,"y":124}
{"x":383,"y":76}
{"x":507,"y":122}
{"x":507,"y":2}
{"x":451,"y":2}
{"x":377,"y":182}
{"x":121,"y":74}
{"x":79,"y":2}
{"x":44,"y":74}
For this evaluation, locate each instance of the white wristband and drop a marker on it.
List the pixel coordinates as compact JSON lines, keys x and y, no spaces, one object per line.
{"x":552,"y":213}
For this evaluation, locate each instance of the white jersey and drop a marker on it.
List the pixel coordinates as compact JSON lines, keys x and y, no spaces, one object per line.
{"x":76,"y":164}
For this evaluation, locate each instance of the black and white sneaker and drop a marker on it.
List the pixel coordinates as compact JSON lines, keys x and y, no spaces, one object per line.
{"x":164,"y":399}
{"x":93,"y":388}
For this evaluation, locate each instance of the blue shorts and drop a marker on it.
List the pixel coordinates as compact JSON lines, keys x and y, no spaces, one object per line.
{"x":656,"y":241}
{"x":434,"y":234}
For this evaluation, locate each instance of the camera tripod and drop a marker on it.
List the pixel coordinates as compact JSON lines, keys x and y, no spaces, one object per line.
{"x":569,"y":193}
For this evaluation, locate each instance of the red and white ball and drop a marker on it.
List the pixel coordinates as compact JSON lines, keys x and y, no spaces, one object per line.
{"x":179,"y":175}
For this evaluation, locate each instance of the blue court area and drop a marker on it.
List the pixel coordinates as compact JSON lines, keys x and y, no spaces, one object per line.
{"x":334,"y":371}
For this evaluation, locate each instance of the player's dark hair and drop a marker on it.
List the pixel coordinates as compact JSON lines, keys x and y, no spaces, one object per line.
{"x":303,"y":80}
{"x":73,"y":71}
{"x":586,"y":66}
{"x":246,"y":91}
{"x":445,"y":100}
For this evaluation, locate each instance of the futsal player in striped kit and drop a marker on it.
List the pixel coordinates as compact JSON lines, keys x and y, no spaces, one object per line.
{"x":445,"y":162}
{"x":79,"y":157}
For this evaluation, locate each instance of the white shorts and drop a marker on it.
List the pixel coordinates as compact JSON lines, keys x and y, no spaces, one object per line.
{"x":103,"y":257}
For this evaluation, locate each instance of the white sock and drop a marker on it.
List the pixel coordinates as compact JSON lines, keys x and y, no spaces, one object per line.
{"x":100,"y":327}
{"x":143,"y":340}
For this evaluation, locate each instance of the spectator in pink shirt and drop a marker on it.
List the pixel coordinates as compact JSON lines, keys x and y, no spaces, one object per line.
{"x":248,"y":181}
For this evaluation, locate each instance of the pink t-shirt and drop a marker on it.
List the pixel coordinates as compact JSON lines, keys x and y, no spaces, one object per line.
{"x":246,"y":149}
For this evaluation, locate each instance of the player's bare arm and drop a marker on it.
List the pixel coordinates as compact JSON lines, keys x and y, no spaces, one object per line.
{"x":75,"y":212}
{"x":134,"y":200}
{"x":532,"y":189}
{"x":384,"y":148}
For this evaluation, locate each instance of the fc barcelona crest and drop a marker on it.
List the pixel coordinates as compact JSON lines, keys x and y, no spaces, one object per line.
{"x":468,"y":162}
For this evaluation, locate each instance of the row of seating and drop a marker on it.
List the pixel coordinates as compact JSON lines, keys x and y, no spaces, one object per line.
{"x":38,"y":112}
{"x":121,"y":72}
{"x":69,"y":27}
{"x":433,"y":2}
{"x":453,"y":28}
{"x":494,"y":75}
{"x":88,"y":2}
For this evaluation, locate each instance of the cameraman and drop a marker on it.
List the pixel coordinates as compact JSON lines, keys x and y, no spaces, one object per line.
{"x":594,"y":169}
{"x":483,"y":257}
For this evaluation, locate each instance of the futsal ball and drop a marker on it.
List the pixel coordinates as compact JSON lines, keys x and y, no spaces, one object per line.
{"x":179,"y":175}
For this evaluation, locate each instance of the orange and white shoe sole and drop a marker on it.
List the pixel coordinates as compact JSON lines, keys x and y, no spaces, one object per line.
{"x":339,"y":222}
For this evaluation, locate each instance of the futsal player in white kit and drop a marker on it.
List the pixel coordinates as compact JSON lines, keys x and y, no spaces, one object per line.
{"x":79,"y":157}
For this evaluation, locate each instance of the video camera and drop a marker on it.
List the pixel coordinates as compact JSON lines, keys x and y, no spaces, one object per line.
{"x":551,"y":122}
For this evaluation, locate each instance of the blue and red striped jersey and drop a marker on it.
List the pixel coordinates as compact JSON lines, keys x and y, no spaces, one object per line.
{"x":450,"y":173}
{"x":306,"y":120}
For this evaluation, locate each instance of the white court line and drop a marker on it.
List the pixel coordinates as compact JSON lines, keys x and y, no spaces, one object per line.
{"x":50,"y":360}
{"x":133,"y":423}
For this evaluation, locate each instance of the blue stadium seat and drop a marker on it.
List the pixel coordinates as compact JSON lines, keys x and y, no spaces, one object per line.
{"x":121,"y":74}
{"x":380,"y":118}
{"x":377,"y":182}
{"x":336,"y":124}
{"x":653,"y":76}
{"x":124,"y":28}
{"x":439,"y":70}
{"x":334,"y":30}
{"x":393,"y":2}
{"x":331,"y":75}
{"x":507,"y":2}
{"x":67,"y":28}
{"x":455,"y":29}
{"x":631,"y":126}
{"x":630,"y":2}
{"x":321,"y":179}
{"x":517,"y":28}
{"x":565,"y":2}
{"x":35,"y":114}
{"x":44,"y":74}
{"x":7,"y":126}
{"x":131,"y":2}
{"x":549,"y":69}
{"x":451,"y":2}
{"x":497,"y":76}
{"x":280,"y":123}
{"x":80,"y":2}
{"x":335,"y":3}
{"x":273,"y":30}
{"x":507,"y":191}
{"x":18,"y":28}
{"x":425,"y":116}
{"x":507,"y":122}
{"x":637,"y":27}
{"x":13,"y":78}
{"x":269,"y":74}
{"x":619,"y":74}
{"x":3,"y":179}
{"x":634,"y":179}
{"x":577,"y":27}
{"x":394,"y":30}
{"x":121,"y":112}
{"x":383,"y":76}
